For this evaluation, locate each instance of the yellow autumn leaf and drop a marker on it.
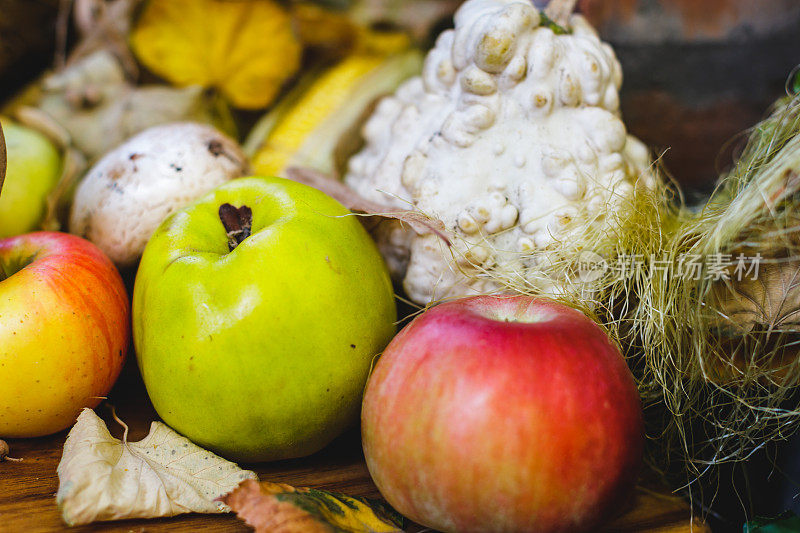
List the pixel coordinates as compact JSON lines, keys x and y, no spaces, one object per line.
{"x":246,"y":49}
{"x":278,"y":508}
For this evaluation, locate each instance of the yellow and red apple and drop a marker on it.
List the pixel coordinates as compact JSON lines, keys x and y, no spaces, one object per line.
{"x":64,"y":331}
{"x":497,"y":413}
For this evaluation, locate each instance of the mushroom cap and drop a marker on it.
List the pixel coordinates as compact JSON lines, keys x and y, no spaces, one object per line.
{"x":133,"y":188}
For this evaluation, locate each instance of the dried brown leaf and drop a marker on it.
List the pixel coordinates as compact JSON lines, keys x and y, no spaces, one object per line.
{"x":2,"y":158}
{"x":278,"y":508}
{"x":757,"y":320}
{"x":419,"y":222}
{"x":770,"y":301}
{"x":164,"y":474}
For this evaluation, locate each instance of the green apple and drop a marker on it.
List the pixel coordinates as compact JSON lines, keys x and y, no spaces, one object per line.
{"x":257,"y":342}
{"x":34,"y":166}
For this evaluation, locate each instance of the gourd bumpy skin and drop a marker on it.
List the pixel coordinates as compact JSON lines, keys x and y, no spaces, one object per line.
{"x":511,"y":133}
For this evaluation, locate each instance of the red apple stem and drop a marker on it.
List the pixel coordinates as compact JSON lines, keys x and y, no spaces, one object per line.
{"x":238,"y":223}
{"x":4,"y":451}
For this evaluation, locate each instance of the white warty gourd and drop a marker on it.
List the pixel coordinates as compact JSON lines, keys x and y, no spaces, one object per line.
{"x":510,"y":133}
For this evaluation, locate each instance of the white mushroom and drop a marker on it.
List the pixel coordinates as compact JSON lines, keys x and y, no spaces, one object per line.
{"x":512,"y":132}
{"x":127,"y":194}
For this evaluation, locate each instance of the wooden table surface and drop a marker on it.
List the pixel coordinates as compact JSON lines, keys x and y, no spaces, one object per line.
{"x":27,"y":488}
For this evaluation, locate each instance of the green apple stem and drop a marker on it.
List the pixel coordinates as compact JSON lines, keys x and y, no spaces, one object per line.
{"x":4,"y":450}
{"x":238,"y":223}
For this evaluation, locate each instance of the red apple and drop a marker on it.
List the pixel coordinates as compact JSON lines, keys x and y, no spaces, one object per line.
{"x":496,"y":413}
{"x":64,"y":331}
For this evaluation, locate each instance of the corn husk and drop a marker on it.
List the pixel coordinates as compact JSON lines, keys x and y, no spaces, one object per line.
{"x":720,"y":351}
